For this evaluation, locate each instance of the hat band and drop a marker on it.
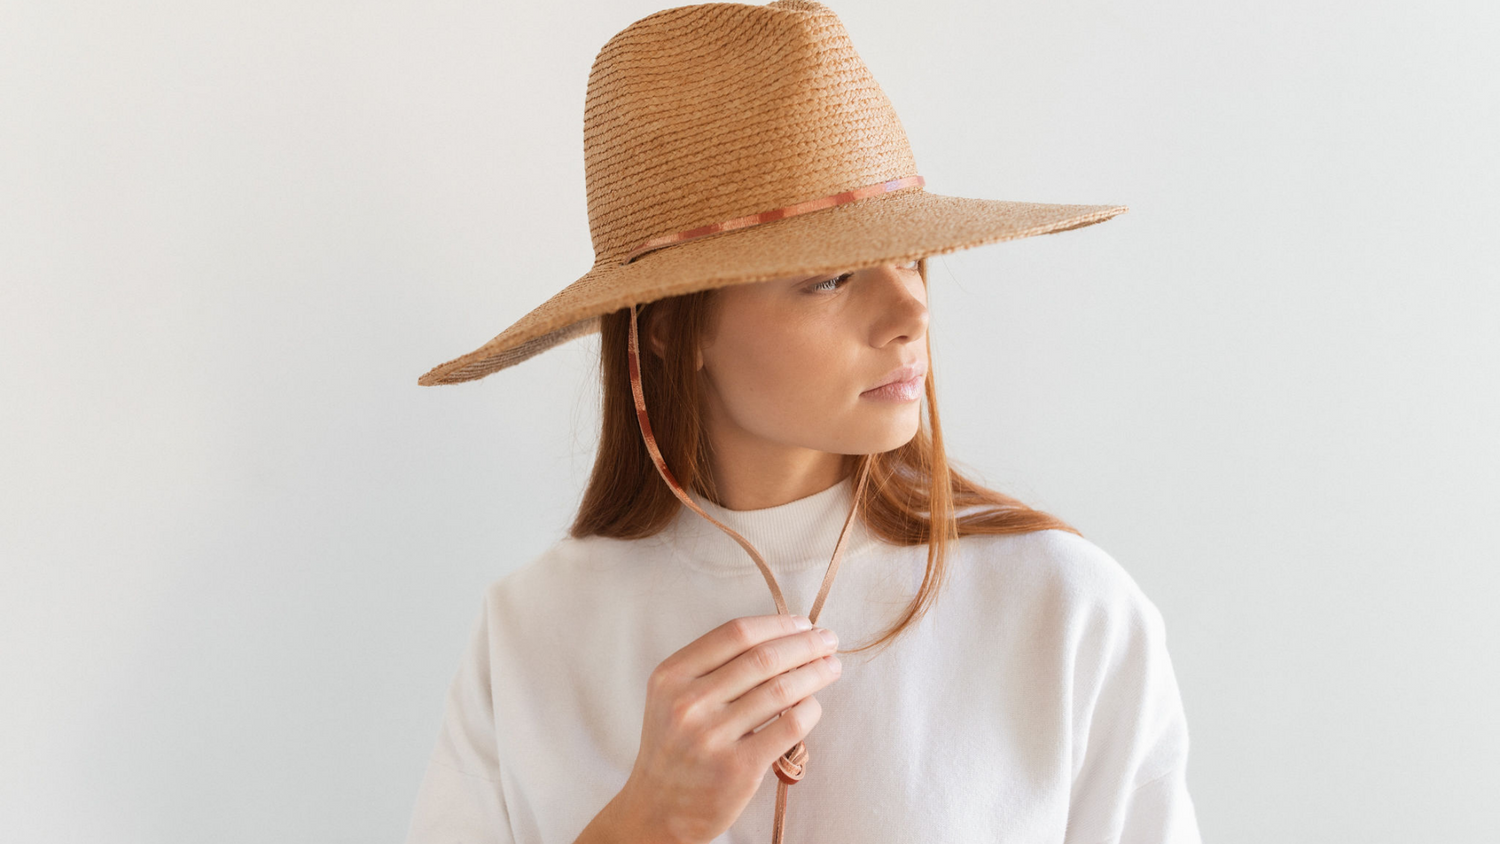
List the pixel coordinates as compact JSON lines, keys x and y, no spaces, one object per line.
{"x":776,"y":214}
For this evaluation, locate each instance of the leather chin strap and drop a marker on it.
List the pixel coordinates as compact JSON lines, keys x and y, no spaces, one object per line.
{"x":791,"y":765}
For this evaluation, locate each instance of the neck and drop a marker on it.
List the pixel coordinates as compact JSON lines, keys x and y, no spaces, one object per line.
{"x":793,"y":536}
{"x":752,"y":474}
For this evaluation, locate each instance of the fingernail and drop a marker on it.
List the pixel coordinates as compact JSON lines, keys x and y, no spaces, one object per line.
{"x":801,"y":622}
{"x":828,"y":636}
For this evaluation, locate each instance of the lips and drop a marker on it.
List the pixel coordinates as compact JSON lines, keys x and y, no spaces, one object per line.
{"x":902,"y":373}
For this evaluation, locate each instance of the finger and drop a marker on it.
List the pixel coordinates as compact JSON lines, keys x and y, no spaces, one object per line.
{"x":764,"y":661}
{"x":730,"y":639}
{"x":779,"y":693}
{"x":780,"y":735}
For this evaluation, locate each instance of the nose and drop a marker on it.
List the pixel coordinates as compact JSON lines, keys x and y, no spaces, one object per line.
{"x":902,"y":304}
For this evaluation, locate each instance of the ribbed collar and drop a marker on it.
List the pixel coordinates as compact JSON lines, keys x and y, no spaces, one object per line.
{"x":791,"y":537}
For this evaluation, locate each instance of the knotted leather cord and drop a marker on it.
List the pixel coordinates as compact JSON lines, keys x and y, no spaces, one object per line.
{"x":791,"y":765}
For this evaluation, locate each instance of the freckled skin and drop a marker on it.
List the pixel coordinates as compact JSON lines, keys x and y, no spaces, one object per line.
{"x":784,"y":363}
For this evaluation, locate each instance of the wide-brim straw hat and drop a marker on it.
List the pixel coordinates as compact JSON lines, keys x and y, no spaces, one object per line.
{"x":729,"y":143}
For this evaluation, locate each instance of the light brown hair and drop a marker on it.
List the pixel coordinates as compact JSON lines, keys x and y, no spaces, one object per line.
{"x":911,"y":487}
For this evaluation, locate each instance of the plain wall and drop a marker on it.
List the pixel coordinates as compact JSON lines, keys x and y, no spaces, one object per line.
{"x":242,"y":549}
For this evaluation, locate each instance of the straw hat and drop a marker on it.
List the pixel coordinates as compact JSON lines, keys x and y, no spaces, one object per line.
{"x":727,"y":143}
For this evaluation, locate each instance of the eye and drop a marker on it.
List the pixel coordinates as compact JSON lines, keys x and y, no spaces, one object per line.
{"x":837,"y":281}
{"x":820,"y":286}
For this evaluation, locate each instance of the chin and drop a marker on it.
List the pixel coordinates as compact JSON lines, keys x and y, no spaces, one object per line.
{"x":895,"y":436}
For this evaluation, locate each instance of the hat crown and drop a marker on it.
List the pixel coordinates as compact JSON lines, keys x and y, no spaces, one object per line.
{"x":705,"y":113}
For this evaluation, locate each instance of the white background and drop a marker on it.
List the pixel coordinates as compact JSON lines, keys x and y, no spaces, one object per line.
{"x":242,"y":549}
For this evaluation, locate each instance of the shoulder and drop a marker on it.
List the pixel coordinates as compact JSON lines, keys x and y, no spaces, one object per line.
{"x":1060,"y":571}
{"x":570,"y":576}
{"x":1076,"y":609}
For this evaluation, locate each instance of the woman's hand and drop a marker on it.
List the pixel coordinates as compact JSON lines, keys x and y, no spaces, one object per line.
{"x":701,"y":759}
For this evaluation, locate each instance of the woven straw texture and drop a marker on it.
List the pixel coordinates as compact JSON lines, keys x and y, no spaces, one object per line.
{"x":702,"y":114}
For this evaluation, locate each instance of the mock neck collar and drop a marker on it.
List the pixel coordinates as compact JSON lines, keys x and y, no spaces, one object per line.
{"x":791,"y":537}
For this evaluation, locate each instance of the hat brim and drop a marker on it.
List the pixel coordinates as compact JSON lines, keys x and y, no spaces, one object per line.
{"x":891,"y":228}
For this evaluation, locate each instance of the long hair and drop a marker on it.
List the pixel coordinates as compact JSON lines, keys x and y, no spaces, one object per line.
{"x":911,"y":488}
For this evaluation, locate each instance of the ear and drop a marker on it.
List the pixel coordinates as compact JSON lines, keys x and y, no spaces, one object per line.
{"x":652,"y":331}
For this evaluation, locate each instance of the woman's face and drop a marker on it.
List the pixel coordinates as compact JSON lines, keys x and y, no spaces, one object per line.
{"x":790,"y":363}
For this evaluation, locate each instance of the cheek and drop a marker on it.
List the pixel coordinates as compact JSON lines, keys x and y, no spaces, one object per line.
{"x":778,"y":379}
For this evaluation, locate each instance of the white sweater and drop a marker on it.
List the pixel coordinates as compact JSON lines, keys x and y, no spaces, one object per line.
{"x":1034,"y":703}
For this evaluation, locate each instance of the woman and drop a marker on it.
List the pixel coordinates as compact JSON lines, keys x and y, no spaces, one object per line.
{"x":760,"y":287}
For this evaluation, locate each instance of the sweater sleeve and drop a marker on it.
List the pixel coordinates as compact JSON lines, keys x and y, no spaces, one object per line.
{"x":1131,"y":738}
{"x":460,"y":800}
